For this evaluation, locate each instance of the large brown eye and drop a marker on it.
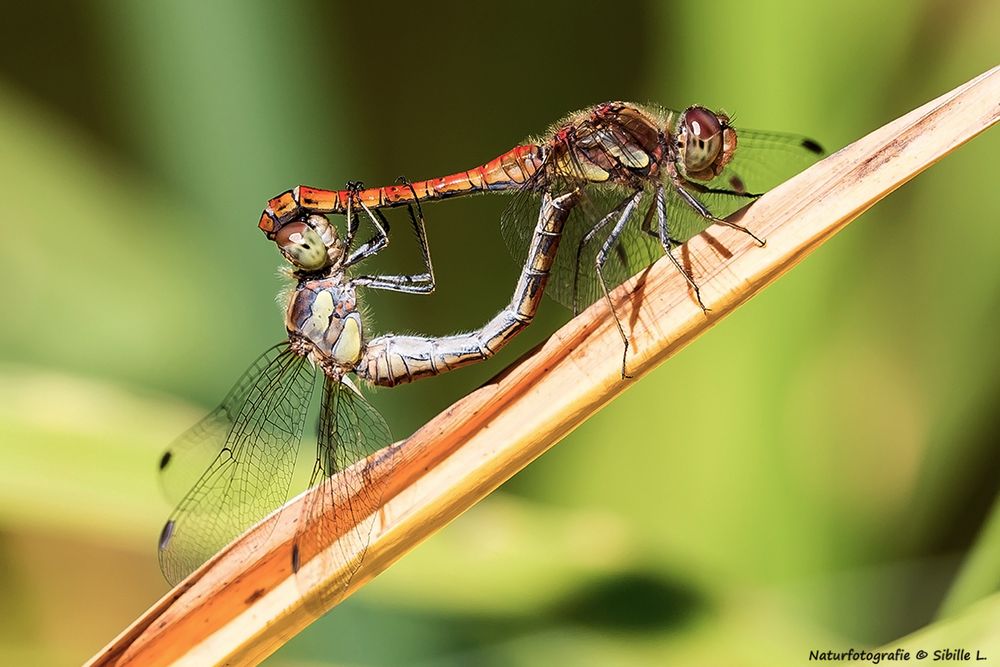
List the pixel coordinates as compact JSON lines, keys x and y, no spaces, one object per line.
{"x":701,"y":141}
{"x":302,"y":246}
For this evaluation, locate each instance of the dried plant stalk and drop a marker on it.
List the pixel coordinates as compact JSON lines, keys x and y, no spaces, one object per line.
{"x":245,"y":603}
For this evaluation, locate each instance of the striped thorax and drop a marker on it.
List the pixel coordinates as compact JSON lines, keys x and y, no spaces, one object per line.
{"x":322,"y":319}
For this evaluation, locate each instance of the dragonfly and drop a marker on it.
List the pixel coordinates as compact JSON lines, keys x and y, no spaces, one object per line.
{"x":235,"y":466}
{"x":649,"y":179}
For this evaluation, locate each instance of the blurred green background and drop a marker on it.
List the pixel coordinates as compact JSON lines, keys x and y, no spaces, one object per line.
{"x":820,"y":471}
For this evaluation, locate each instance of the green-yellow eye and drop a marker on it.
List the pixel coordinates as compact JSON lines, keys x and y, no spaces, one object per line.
{"x":302,"y":246}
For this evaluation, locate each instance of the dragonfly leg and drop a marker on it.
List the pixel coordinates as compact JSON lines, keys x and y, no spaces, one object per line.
{"x":648,"y":229}
{"x":373,"y":245}
{"x":668,"y":244}
{"x":420,"y":283}
{"x":392,"y":359}
{"x":353,"y":187}
{"x":417,"y":222}
{"x":588,"y":237}
{"x":700,"y":209}
{"x":602,"y":258}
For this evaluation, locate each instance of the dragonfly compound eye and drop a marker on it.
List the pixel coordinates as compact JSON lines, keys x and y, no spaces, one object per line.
{"x":706,"y":143}
{"x":302,"y":246}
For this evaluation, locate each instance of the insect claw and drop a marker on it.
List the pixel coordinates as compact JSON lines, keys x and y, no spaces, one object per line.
{"x":697,"y":295}
{"x":760,"y":242}
{"x":625,"y":374}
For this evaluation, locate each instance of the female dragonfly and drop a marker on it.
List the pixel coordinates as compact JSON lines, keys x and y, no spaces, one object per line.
{"x":235,"y":466}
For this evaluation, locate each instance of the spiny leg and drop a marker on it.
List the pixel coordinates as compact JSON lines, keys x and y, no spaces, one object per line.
{"x":420,"y":283}
{"x":376,"y":243}
{"x":700,"y":209}
{"x":601,"y":259}
{"x":417,"y":222}
{"x":392,"y":359}
{"x":647,"y":226}
{"x":587,"y":238}
{"x":668,"y":243}
{"x":353,"y":187}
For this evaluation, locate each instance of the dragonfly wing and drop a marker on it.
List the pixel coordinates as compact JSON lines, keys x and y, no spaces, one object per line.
{"x":187,"y":457}
{"x":254,"y":435}
{"x":341,"y":509}
{"x":573,"y":281}
{"x":763,"y":160}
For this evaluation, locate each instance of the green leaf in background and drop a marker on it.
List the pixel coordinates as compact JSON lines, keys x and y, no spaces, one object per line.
{"x":846,"y":497}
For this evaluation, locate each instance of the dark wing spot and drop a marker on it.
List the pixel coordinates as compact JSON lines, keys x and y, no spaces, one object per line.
{"x":166,"y":534}
{"x":812,"y":146}
{"x":295,"y":558}
{"x":165,"y":459}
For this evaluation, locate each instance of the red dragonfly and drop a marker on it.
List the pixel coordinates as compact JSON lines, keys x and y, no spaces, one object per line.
{"x":649,"y":179}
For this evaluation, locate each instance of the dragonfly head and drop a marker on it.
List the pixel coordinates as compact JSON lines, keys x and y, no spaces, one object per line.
{"x":705,"y":143}
{"x":310,"y":244}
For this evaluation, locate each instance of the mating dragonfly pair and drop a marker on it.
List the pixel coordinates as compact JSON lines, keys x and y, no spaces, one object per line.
{"x":619,"y":184}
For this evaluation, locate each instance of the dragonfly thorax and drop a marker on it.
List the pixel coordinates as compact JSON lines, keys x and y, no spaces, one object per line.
{"x":614,"y":141}
{"x":323,"y":323}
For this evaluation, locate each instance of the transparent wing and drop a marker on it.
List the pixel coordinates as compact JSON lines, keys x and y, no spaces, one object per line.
{"x":342,"y":508}
{"x":187,"y":457}
{"x":763,"y":160}
{"x":573,"y":281}
{"x":255,"y":434}
{"x":684,"y":222}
